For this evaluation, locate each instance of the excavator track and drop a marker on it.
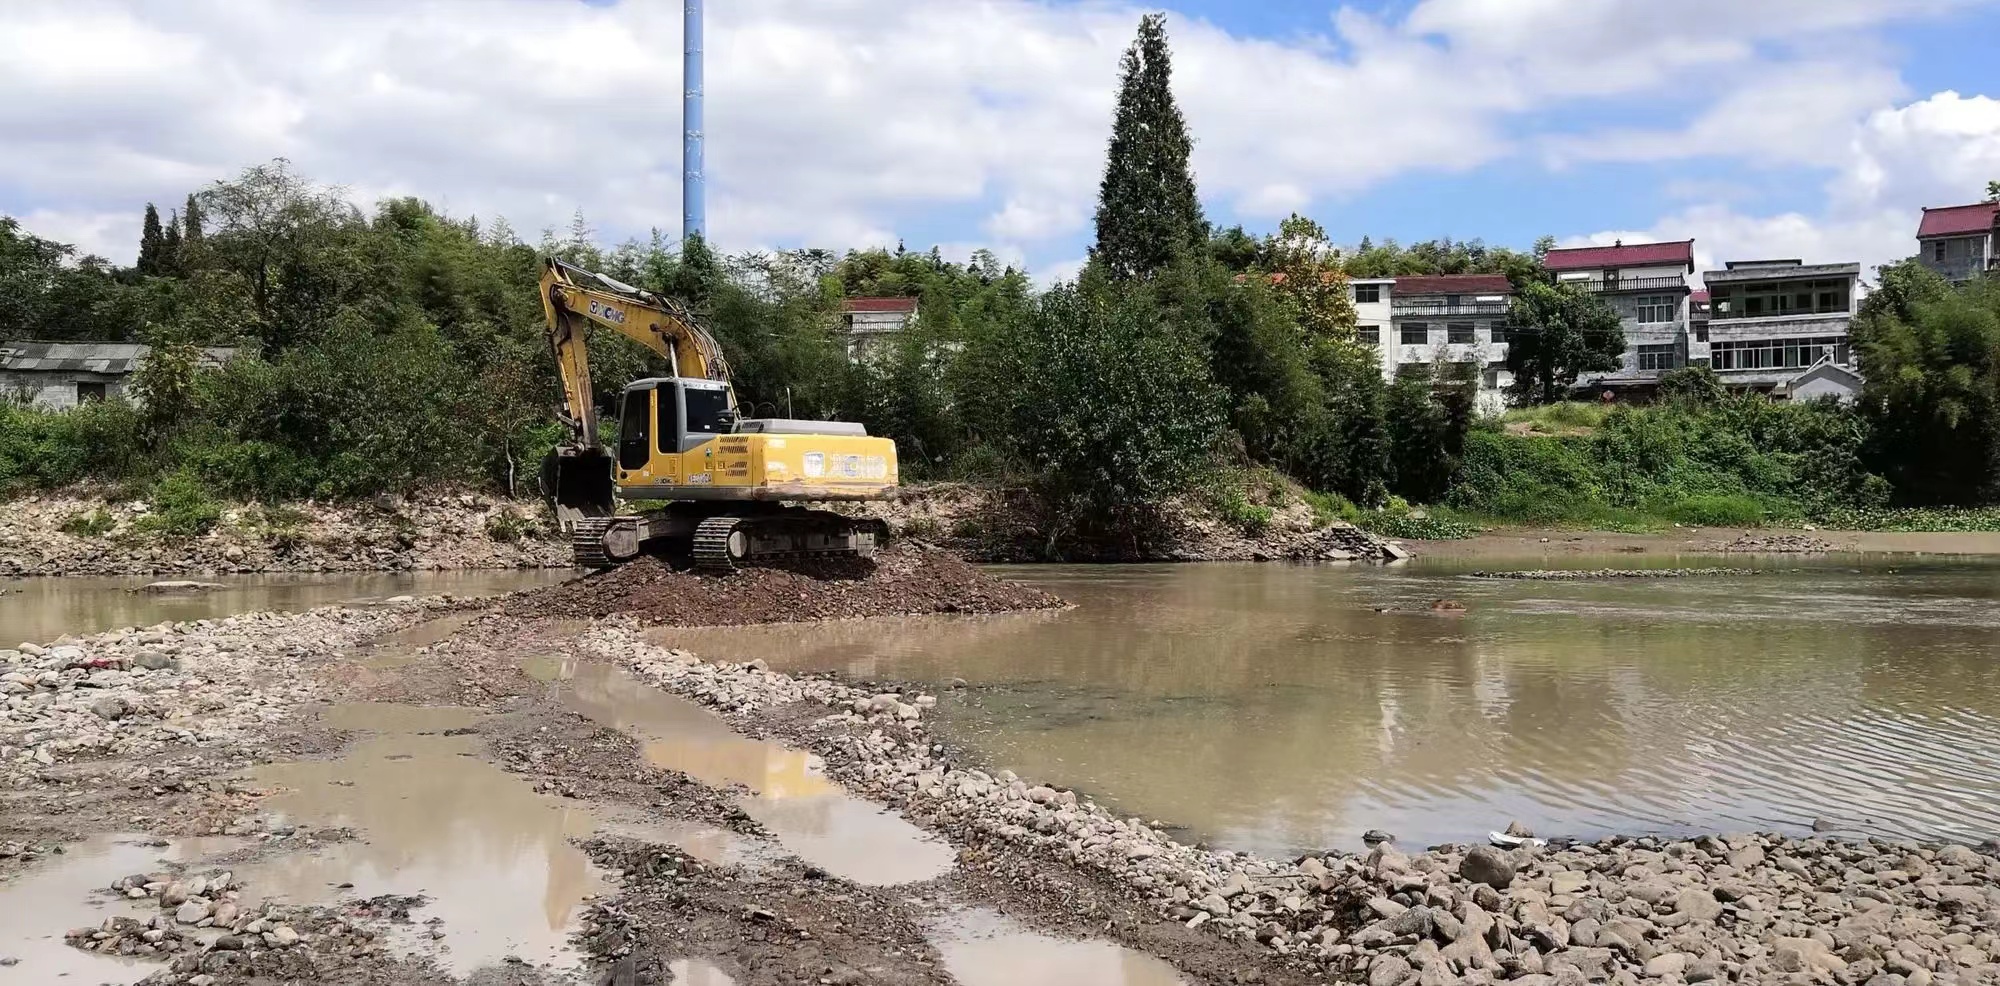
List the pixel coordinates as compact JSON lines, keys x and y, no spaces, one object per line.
{"x":586,"y":543}
{"x":714,"y":539}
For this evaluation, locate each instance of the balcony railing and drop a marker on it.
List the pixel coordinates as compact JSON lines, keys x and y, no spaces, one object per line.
{"x":1607,"y":285}
{"x":1441,"y":308}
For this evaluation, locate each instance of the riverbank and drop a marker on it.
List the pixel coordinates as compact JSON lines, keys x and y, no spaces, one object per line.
{"x":687,"y":814}
{"x":1558,"y":543}
{"x":85,"y":534}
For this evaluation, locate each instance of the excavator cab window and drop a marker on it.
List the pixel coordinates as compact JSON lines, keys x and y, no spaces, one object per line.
{"x":635,"y":430}
{"x":708,"y":410}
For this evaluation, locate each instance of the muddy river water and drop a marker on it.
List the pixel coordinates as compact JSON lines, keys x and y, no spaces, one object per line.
{"x":1276,"y":709}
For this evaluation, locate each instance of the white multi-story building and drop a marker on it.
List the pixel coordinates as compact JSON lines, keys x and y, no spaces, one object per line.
{"x":1648,"y":284}
{"x":1960,"y":241}
{"x":1460,"y":318}
{"x":1770,"y":321}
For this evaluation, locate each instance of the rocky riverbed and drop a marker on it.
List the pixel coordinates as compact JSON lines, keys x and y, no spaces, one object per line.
{"x":240,"y":727}
{"x":1741,"y":908}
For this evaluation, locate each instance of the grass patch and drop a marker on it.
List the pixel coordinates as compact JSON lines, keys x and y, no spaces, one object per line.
{"x":509,"y":527}
{"x":1417,"y":527}
{"x":1549,"y":418}
{"x":181,"y":506}
{"x":1718,"y":511}
{"x":89,"y":523}
{"x":1915,"y":520}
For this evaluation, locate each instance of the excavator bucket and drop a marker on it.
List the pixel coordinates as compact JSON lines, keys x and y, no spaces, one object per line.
{"x":578,"y":485}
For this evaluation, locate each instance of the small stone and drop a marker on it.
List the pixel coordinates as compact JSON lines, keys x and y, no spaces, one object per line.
{"x":110,"y":707}
{"x":1487,"y":865}
{"x":1698,"y":904}
{"x":1519,"y":831}
{"x":1567,"y":882}
{"x":1375,"y":837}
{"x":192,"y":910}
{"x":284,"y":935}
{"x":1667,"y":964}
{"x":1388,"y":970}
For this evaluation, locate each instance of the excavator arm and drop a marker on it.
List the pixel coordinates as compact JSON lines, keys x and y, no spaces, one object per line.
{"x":575,"y":299}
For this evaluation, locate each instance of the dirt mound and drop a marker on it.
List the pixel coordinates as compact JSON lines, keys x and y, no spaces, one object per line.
{"x":901,"y":580}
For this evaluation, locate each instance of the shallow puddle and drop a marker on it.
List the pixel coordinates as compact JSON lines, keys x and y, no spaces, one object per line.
{"x":982,"y":947}
{"x":698,"y":972}
{"x":71,"y":890}
{"x":433,"y":818}
{"x":813,"y":817}
{"x":708,"y":843}
{"x":399,"y":649}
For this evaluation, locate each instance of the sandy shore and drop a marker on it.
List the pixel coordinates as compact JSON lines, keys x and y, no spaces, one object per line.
{"x":1537,"y":543}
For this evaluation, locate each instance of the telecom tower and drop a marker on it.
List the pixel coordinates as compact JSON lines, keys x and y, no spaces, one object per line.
{"x":694,"y":212}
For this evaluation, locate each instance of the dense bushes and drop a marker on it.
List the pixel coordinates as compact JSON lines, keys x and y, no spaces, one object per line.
{"x":1738,"y":461}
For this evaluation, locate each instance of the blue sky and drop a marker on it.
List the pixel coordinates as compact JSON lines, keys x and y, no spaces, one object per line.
{"x":1812,"y":128}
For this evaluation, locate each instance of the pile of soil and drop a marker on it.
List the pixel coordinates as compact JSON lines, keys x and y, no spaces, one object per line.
{"x":901,"y":580}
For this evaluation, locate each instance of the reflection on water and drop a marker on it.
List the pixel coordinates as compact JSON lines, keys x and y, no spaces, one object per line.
{"x":68,"y":891}
{"x":982,"y":947}
{"x":1274,"y":708}
{"x":41,"y":609}
{"x":434,"y":819}
{"x":811,"y":815}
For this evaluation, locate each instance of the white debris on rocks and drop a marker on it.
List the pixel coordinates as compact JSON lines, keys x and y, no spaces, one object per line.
{"x":1742,"y":908}
{"x":132,"y":693}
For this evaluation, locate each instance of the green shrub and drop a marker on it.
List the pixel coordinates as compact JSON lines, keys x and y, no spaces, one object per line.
{"x":1717,"y":511}
{"x":1429,"y":527}
{"x":1329,"y":507}
{"x":92,"y":523}
{"x":509,"y":527}
{"x":181,"y":507}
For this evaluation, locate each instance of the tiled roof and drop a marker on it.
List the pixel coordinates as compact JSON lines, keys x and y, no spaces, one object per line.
{"x":1699,"y":297}
{"x":1679,"y":252}
{"x":111,"y":358}
{"x":1958,"y":220}
{"x":1454,"y":284}
{"x":879,"y":305}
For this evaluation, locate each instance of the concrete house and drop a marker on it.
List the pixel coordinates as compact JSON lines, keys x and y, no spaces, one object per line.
{"x":1450,"y":318}
{"x":872,"y":323}
{"x":1960,"y":241}
{"x":1771,"y":320}
{"x":59,"y":375}
{"x":1648,"y":285}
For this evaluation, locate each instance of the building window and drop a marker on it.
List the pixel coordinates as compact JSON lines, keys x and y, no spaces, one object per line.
{"x":86,"y":391}
{"x":1777,"y":354}
{"x":1368,"y":335}
{"x":1458,"y":333}
{"x":1416,"y":334}
{"x":1937,"y":251}
{"x":1499,"y":332}
{"x":1656,"y":357}
{"x":1367,"y":293}
{"x":1657,"y":307}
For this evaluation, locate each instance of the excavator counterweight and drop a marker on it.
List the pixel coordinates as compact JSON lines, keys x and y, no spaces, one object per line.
{"x":734,"y":488}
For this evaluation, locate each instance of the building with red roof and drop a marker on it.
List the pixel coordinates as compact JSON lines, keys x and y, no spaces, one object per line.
{"x":1648,"y":284}
{"x":1959,"y":241}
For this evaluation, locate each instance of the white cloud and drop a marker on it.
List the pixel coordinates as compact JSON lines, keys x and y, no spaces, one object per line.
{"x":1936,"y":151}
{"x":844,"y":123}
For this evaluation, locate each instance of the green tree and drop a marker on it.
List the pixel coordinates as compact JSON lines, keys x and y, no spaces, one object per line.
{"x":1555,"y":335}
{"x":1147,"y":207}
{"x":191,"y":232}
{"x":152,"y":244}
{"x":1117,"y":416}
{"x":170,"y":247}
{"x":1993,"y":191}
{"x":1931,"y":357}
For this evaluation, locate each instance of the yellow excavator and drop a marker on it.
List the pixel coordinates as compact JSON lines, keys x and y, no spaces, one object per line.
{"x":733,"y":486}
